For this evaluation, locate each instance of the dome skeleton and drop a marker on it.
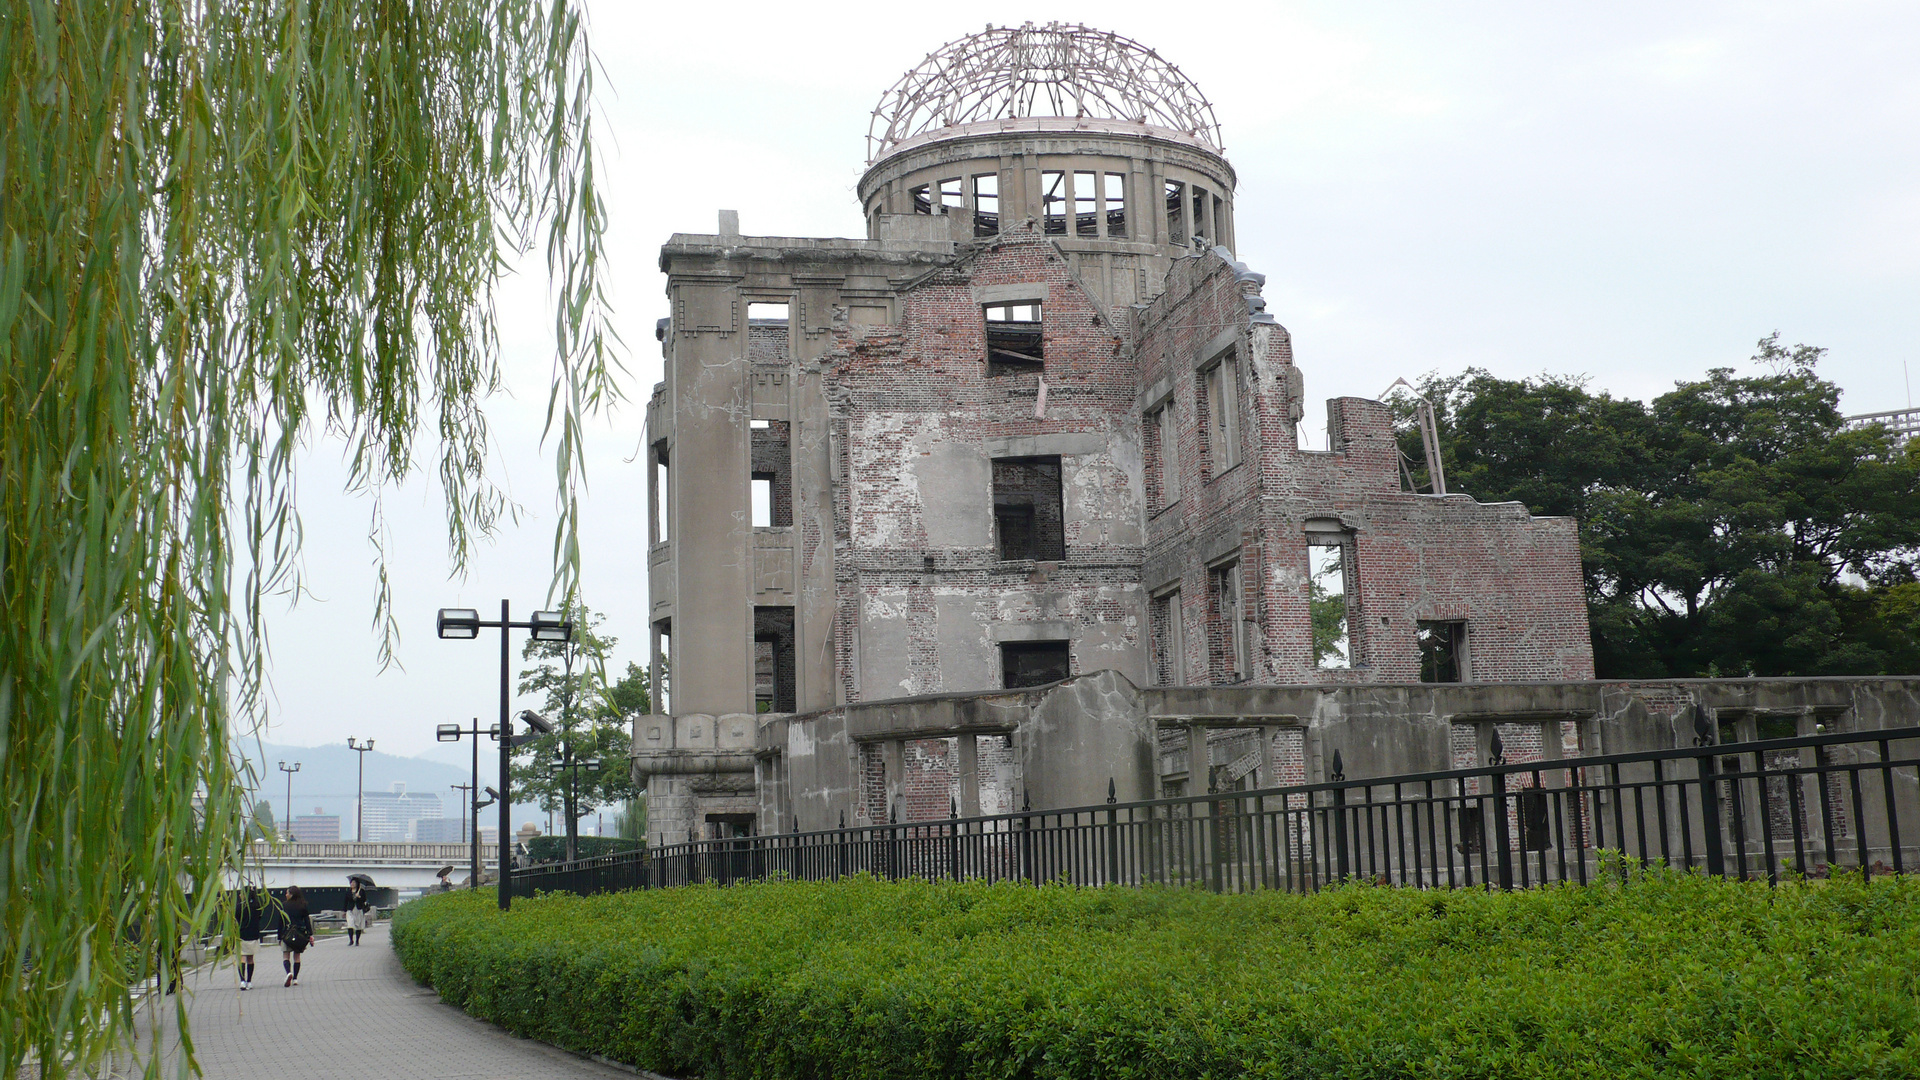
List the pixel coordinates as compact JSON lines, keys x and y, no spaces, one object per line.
{"x":1060,"y":70}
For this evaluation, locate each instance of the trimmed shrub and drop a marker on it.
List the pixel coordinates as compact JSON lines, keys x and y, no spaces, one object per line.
{"x":1668,"y":974}
{"x":552,"y":848}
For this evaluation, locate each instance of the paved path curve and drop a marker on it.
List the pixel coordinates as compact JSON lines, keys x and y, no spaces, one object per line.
{"x":356,"y":1015}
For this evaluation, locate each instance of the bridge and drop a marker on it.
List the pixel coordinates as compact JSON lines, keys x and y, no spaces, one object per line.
{"x":394,"y":865}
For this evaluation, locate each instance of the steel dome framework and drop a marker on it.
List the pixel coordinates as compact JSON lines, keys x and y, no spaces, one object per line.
{"x":1063,"y":70}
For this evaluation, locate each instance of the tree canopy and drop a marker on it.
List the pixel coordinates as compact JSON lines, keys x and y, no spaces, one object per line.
{"x":593,"y":720}
{"x":1735,"y":525}
{"x":225,"y":227}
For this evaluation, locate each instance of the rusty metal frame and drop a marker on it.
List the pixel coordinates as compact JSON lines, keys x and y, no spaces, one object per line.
{"x":1062,"y":70}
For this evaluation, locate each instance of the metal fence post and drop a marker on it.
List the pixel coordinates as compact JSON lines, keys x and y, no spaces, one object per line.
{"x":1339,"y":775}
{"x":1709,"y":793}
{"x":1026,"y":835}
{"x":1113,"y":837}
{"x":1499,"y":782}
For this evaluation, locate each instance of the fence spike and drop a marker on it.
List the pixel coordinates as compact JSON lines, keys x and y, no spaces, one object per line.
{"x":1702,"y":728}
{"x":1110,"y":799}
{"x":1499,"y":752}
{"x":893,"y":813}
{"x":843,"y":817}
{"x":1339,"y":770}
{"x":953,"y":807}
{"x":1026,"y":801}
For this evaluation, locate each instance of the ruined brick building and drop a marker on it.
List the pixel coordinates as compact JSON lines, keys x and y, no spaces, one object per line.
{"x":1036,"y":425}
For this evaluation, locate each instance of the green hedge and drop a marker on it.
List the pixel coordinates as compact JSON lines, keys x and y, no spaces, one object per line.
{"x":1668,"y":975}
{"x":553,"y":848}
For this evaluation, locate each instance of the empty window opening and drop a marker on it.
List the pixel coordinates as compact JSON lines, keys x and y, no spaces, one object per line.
{"x":922,"y":198}
{"x":1177,"y":213}
{"x":1027,"y":513}
{"x":1169,"y":654}
{"x":1053,"y":201}
{"x":1443,"y":650}
{"x":986,"y":204}
{"x":1327,"y":574}
{"x":1014,"y":341}
{"x":1086,"y":204}
{"x":1201,"y":226}
{"x":771,"y":474}
{"x":951,"y":193}
{"x":661,"y":676}
{"x":1220,"y":400}
{"x":1116,"y":192}
{"x":1219,"y":213}
{"x":1162,"y":459}
{"x":729,"y":826}
{"x":773,"y":659}
{"x":767,"y":334}
{"x":662,"y":524}
{"x":1033,"y":663}
{"x":1226,"y":636}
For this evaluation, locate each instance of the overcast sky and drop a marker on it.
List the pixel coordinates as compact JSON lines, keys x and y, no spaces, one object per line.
{"x":1634,"y":192}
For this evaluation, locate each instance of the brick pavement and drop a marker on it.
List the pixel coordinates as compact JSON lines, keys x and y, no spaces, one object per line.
{"x":356,"y":1014}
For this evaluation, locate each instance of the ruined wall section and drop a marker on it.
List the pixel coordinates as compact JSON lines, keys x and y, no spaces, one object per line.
{"x":926,"y":600}
{"x":1209,"y":315}
{"x":1512,"y":578}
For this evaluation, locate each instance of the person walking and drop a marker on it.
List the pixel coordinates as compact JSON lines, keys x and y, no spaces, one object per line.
{"x":296,"y":933}
{"x":359,"y":912}
{"x":251,"y":914}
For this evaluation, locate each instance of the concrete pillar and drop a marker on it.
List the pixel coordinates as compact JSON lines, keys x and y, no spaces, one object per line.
{"x":894,"y":755}
{"x":1198,"y":764}
{"x":969,"y":776}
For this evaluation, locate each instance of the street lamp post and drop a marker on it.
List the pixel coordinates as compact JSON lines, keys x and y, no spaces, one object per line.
{"x":453,"y":733}
{"x":360,"y":793}
{"x":289,"y":770}
{"x":465,"y":624}
{"x":465,"y":798}
{"x":572,"y":769}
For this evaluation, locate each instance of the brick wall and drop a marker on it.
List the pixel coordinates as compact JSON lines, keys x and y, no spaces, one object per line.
{"x":1515,"y":579}
{"x":920,"y":586}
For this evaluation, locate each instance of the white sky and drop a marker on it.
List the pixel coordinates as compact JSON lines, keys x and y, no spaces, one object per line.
{"x":1630,"y":191}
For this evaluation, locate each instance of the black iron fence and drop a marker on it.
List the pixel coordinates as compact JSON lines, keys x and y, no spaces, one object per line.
{"x":1804,"y":805}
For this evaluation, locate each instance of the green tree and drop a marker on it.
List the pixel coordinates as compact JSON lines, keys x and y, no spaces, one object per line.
{"x":1732,"y":526}
{"x":223,"y":226}
{"x":593,"y":722}
{"x":263,"y":826}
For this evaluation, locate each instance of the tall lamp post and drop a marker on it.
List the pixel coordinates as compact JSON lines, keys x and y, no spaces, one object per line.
{"x":360,"y":793}
{"x":572,"y":769}
{"x":289,"y":770}
{"x":463,"y":789}
{"x":452,"y":733}
{"x":465,"y":624}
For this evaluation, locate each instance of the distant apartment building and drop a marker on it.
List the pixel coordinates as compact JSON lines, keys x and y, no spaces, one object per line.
{"x":443,"y":830}
{"x":317,"y":828}
{"x":389,"y":815}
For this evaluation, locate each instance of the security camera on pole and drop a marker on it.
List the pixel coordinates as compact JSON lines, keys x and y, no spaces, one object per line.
{"x":465,"y":624}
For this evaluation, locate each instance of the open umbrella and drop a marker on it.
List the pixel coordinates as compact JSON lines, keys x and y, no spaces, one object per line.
{"x":361,"y":878}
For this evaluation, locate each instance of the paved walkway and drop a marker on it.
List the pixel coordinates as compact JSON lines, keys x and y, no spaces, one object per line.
{"x":356,"y":1014}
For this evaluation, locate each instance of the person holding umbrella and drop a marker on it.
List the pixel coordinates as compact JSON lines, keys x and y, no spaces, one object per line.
{"x":359,"y":909}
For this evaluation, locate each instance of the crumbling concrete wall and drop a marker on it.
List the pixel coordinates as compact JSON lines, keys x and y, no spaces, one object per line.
{"x":1064,"y":742}
{"x":925,"y":600}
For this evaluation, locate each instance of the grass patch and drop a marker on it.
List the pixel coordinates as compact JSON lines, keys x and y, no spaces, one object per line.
{"x":1669,"y":974}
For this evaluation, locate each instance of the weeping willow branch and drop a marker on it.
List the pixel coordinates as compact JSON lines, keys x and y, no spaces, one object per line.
{"x":224,"y":224}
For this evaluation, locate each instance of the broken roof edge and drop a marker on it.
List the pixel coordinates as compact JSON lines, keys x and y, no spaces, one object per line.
{"x":825,"y":248}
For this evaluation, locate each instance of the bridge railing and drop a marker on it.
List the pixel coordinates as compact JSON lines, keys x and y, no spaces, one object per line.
{"x":1806,"y":805}
{"x":347,"y":851}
